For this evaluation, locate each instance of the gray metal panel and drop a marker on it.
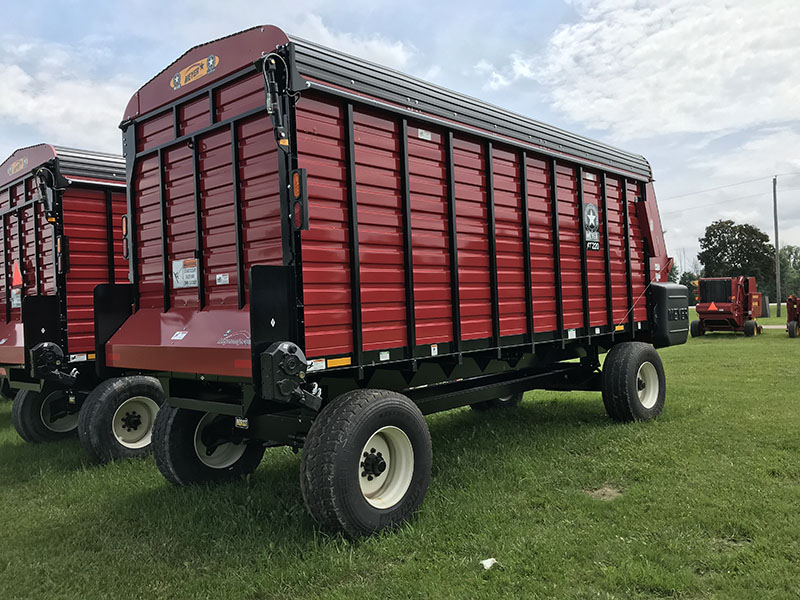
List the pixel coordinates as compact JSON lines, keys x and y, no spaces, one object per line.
{"x":89,"y":164}
{"x":331,"y":66}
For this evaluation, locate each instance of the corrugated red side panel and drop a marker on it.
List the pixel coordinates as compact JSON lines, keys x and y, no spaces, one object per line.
{"x":148,"y":233}
{"x":616,"y":240}
{"x":508,"y":227}
{"x":638,"y":266}
{"x":259,"y":192}
{"x":326,"y":254}
{"x":85,"y":219}
{"x":380,"y":231}
{"x":472,"y":228}
{"x":570,"y":247}
{"x":326,"y":245}
{"x":540,"y":215}
{"x":430,"y":227}
{"x":595,"y":259}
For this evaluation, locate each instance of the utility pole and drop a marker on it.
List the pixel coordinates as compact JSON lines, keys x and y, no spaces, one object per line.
{"x":777,"y":246}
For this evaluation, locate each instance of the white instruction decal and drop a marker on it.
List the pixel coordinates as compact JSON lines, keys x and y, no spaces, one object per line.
{"x":179,"y":335}
{"x":424,"y":135}
{"x":16,"y":298}
{"x":184,"y":273}
{"x":223,"y":279}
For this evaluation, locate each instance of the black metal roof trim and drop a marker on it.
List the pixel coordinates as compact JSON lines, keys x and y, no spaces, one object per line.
{"x":90,"y":164}
{"x":338,"y":68}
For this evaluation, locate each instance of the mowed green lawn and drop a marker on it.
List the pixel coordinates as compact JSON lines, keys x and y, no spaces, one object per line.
{"x":708,"y":505}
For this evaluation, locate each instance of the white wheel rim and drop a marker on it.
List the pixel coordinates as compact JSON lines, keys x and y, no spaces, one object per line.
{"x":133,"y":420}
{"x":505,"y":399}
{"x":647,"y":385}
{"x":223,"y":456}
{"x":386,"y":467}
{"x":63,"y":424}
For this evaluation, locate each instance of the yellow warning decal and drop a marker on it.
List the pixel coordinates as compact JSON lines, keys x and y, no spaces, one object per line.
{"x":619,"y":328}
{"x":339,"y":362}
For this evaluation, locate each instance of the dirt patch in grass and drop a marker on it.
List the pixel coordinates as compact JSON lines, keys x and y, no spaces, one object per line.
{"x":607,"y":493}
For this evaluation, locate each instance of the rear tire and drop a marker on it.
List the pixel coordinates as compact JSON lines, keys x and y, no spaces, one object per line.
{"x":45,"y":416}
{"x":117,"y":419}
{"x":182,"y":456}
{"x":366,"y":463}
{"x":633,"y":383}
{"x":791,"y":327}
{"x":696,"y":329}
{"x":509,"y":401}
{"x":750,"y":328}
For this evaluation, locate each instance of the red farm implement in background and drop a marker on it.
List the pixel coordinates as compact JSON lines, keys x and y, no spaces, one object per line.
{"x":323,"y":249}
{"x":727,"y":304}
{"x":58,"y":211}
{"x":793,"y":316}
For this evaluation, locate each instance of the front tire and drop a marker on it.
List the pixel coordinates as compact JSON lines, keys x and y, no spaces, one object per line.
{"x":791,"y":327}
{"x":633,"y":385}
{"x":117,"y":419}
{"x":184,"y":453}
{"x":366,"y":463}
{"x":696,"y":329}
{"x":45,"y":416}
{"x":750,"y":328}
{"x":509,"y":401}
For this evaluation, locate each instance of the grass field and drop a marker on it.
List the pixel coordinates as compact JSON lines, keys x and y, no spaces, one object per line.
{"x":702,"y":503}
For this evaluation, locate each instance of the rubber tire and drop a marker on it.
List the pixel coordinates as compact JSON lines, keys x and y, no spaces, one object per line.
{"x":791,"y":327}
{"x":329,"y":474}
{"x":95,"y":423}
{"x":26,"y":417}
{"x":750,"y":328}
{"x":619,"y":382}
{"x":696,"y":329}
{"x":173,"y":450}
{"x":497,"y":403}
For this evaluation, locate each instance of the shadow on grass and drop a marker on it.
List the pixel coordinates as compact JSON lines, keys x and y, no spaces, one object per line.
{"x":22,"y":461}
{"x":267,"y":510}
{"x":5,"y":416}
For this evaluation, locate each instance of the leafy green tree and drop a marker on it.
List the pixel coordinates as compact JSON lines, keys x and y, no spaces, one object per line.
{"x":728,"y":249}
{"x":688,"y":278}
{"x":673,"y":274}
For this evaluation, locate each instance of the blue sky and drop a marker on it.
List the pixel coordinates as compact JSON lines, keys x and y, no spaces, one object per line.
{"x":709,"y":92}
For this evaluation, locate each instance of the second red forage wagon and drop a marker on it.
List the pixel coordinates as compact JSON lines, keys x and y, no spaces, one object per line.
{"x":61,"y":214}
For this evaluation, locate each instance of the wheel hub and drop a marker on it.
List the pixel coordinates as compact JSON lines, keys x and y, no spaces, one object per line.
{"x":373,"y":464}
{"x":131,"y":421}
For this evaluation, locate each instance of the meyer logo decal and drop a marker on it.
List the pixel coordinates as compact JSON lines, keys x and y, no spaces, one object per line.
{"x":18,"y":165}
{"x":194,"y":71}
{"x":591,"y":226}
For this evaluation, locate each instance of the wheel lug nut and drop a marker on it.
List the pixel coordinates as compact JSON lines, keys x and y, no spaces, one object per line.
{"x":365,"y":455}
{"x":372,"y":451}
{"x":369,"y":478}
{"x":363,"y":473}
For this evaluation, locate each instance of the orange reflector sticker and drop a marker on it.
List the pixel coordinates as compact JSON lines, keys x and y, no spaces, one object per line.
{"x":619,"y":328}
{"x":339,"y":362}
{"x":16,"y":278}
{"x":712,"y":306}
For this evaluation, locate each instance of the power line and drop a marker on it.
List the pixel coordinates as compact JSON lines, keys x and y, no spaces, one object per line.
{"x":670,"y":212}
{"x":722,"y":187}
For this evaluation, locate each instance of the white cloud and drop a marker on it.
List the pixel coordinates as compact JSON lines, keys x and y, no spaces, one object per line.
{"x":395,"y":54}
{"x":55,"y":92}
{"x":73,"y":94}
{"x":644,"y":67}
